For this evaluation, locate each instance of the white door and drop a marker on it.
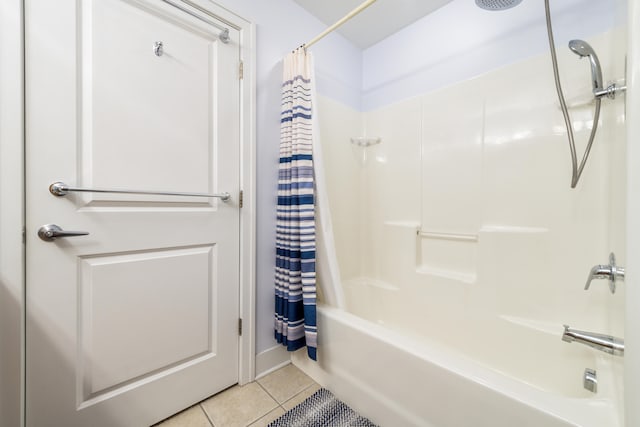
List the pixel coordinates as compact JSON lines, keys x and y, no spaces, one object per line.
{"x":139,"y":318}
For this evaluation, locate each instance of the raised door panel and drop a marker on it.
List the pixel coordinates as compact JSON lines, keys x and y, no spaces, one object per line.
{"x":149,"y":119}
{"x":142,"y":313}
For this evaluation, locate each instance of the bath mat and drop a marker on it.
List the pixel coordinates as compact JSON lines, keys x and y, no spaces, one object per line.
{"x":322,"y":409}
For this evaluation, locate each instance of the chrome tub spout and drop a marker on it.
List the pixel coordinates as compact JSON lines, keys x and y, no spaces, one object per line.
{"x":602,"y":342}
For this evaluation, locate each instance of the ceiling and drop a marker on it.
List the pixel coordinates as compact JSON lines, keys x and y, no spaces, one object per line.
{"x":377,"y":22}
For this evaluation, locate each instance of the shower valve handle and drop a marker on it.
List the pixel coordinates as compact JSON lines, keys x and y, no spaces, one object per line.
{"x":611,"y":272}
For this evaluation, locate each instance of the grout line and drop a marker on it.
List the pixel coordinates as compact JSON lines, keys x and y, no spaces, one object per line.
{"x":298,"y":393}
{"x":280,"y":405}
{"x":270,"y":395}
{"x":206,"y":415}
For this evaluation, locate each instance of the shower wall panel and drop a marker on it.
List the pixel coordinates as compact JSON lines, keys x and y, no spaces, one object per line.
{"x":466,"y":203}
{"x":343,"y":174}
{"x":392,"y":187}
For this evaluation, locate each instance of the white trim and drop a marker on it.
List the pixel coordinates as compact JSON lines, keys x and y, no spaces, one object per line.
{"x":248,"y":212}
{"x":11,"y":213}
{"x":271,"y":360}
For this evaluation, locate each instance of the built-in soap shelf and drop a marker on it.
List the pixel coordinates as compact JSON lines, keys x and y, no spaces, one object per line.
{"x":365,"y":141}
{"x":456,"y":276}
{"x":404,"y":224}
{"x":465,"y":237}
{"x":512,"y":229}
{"x":370,"y":283}
{"x":550,"y":328}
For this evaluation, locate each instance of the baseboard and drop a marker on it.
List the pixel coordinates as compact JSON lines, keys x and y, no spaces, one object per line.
{"x":271,"y":359}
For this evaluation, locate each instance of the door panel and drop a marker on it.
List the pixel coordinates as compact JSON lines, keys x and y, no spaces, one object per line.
{"x":135,"y":103}
{"x":138,"y":319}
{"x":173,"y":287}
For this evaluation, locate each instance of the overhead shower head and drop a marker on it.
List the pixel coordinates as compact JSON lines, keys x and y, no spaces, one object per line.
{"x":583,"y":49}
{"x":496,"y":5}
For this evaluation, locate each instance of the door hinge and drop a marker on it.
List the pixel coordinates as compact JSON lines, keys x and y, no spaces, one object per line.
{"x":24,"y":235}
{"x":241,"y":199}
{"x":241,"y":70}
{"x":239,"y":326}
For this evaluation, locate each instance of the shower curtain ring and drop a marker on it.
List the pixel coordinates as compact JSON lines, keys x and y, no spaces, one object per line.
{"x":302,"y":46}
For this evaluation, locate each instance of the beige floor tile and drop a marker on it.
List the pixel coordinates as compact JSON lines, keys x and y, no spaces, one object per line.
{"x":285,"y":383}
{"x":239,"y":406}
{"x":271,"y":416}
{"x":298,"y":398}
{"x":192,"y":417}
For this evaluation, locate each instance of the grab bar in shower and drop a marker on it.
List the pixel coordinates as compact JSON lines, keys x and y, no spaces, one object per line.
{"x":448,"y":236}
{"x":62,"y":189}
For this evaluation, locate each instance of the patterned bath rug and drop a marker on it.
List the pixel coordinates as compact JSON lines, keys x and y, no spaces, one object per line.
{"x":322,"y":409}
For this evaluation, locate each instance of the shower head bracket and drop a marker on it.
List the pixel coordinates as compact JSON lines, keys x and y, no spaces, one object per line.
{"x":610,"y":91}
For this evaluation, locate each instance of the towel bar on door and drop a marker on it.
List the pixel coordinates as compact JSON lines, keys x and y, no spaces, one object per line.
{"x":224,"y":32}
{"x":62,"y":189}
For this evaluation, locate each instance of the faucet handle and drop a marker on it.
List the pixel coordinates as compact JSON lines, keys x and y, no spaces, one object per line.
{"x":611,"y":272}
{"x":598,"y":272}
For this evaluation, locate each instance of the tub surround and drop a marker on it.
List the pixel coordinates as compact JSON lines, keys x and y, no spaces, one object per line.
{"x":462,"y":251}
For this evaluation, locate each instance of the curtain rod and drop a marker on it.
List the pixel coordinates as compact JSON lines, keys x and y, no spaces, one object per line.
{"x":347,"y":17}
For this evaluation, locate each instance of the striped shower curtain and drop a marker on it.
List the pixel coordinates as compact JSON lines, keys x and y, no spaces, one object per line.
{"x":295,"y":316}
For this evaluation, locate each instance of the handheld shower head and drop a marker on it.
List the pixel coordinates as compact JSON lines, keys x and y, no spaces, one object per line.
{"x":583,"y":49}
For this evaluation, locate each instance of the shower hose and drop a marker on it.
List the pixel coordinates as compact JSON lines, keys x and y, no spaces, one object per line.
{"x":576,"y":170}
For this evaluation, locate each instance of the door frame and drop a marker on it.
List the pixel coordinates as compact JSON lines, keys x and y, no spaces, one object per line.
{"x":12,"y":208}
{"x":12,"y":290}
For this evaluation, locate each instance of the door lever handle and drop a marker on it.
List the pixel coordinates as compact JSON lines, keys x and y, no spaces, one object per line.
{"x":51,"y":232}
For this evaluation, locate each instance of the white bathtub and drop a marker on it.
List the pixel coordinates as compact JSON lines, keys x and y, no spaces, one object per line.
{"x":401,"y":380}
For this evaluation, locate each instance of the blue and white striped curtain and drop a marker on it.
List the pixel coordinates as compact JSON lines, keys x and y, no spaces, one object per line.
{"x":295,"y":322}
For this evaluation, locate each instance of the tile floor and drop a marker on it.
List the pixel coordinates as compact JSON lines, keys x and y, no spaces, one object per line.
{"x":255,"y":404}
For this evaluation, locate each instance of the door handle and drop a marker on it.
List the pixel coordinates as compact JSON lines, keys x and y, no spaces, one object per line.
{"x":51,"y":232}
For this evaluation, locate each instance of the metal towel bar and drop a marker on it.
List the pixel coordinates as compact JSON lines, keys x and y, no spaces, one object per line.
{"x":224,"y":32}
{"x":62,"y":189}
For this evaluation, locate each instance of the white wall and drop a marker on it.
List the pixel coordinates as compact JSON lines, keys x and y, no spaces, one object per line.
{"x":11,"y":211}
{"x":281,"y":26}
{"x":460,"y":41}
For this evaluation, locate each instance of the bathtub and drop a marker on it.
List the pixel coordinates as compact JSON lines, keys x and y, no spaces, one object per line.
{"x":458,"y":380}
